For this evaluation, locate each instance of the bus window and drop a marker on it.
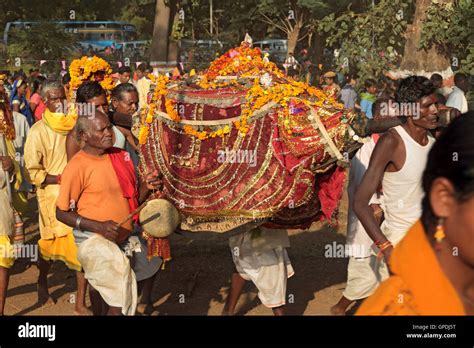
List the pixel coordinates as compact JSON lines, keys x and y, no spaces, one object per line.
{"x":93,"y":36}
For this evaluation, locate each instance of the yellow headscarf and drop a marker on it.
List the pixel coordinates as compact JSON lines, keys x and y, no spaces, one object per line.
{"x":59,"y":122}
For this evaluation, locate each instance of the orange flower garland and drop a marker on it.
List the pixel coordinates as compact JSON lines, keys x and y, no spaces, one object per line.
{"x":242,"y":62}
{"x":83,"y":69}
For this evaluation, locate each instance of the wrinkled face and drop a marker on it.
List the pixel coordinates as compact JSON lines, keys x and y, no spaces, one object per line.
{"x":55,"y":99}
{"x":100,"y":102}
{"x":125,"y":77}
{"x":100,"y":133}
{"x":428,"y":113}
{"x":128,"y":104}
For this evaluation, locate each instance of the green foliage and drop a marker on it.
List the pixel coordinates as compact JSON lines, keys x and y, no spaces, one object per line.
{"x":371,"y":41}
{"x":450,"y":27}
{"x":42,"y":40}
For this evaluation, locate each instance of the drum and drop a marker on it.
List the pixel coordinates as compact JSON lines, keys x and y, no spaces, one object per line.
{"x":159,"y":218}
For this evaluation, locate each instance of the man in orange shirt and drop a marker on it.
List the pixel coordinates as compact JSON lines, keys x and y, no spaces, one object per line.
{"x":99,"y":190}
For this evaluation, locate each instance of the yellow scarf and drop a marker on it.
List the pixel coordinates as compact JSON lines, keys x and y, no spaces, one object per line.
{"x":59,"y":122}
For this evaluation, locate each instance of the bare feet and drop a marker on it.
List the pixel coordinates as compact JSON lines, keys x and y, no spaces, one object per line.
{"x":227,"y":312}
{"x":341,"y":307}
{"x":337,"y":310}
{"x":82,"y":311}
{"x":145,"y":308}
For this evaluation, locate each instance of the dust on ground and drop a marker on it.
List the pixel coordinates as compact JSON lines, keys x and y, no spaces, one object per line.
{"x":197,"y":280}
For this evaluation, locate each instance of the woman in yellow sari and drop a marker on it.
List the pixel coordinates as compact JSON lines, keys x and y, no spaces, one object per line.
{"x":433,"y":266}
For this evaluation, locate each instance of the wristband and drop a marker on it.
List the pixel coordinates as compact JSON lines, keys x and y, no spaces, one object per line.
{"x":78,"y":223}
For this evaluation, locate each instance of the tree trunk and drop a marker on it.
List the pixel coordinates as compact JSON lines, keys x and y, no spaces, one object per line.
{"x":173,"y":51}
{"x":293,"y":40}
{"x":294,"y":34}
{"x":159,"y":42}
{"x":172,"y":43}
{"x":421,"y":61}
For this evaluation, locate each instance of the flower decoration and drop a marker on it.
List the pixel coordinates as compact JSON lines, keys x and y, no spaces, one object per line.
{"x":90,"y":69}
{"x":270,"y":84}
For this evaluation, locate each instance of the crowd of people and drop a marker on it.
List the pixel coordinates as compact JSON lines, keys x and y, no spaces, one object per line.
{"x":410,"y":196}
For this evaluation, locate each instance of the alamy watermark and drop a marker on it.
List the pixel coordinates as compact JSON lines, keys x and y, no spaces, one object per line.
{"x":336,"y":250}
{"x":25,"y":251}
{"x":237,"y":156}
{"x":81,"y":109}
{"x":394,"y":109}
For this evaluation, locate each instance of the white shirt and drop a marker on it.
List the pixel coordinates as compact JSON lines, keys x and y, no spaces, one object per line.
{"x":457,"y":99}
{"x":402,"y":190}
{"x":358,"y":241}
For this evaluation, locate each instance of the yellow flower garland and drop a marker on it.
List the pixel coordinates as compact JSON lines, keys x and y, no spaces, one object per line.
{"x":83,"y":69}
{"x":246,"y":63}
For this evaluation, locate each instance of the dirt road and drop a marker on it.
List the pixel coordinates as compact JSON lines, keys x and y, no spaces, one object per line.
{"x":196,"y":281}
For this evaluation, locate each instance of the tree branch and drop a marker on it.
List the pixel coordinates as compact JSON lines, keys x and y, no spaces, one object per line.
{"x":286,"y":22}
{"x":268,"y":20}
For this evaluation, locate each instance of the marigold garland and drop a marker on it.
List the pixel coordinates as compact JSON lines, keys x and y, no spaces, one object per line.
{"x":83,"y":69}
{"x":242,"y":62}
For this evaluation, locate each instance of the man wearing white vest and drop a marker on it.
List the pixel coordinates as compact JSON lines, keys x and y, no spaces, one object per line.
{"x":397,"y":163}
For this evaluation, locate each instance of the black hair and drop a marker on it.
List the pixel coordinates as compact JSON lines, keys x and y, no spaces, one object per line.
{"x":377,"y":106}
{"x":119,"y":90}
{"x":413,"y":88}
{"x":37,"y":82}
{"x":451,"y":157}
{"x":66,"y":79}
{"x":143,"y":67}
{"x":436,"y":78}
{"x":89,"y":90}
{"x":124,"y":69}
{"x":369,"y":83}
{"x":440,"y":99}
{"x":460,"y":78}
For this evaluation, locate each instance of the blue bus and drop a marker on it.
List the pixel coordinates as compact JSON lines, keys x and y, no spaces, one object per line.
{"x":91,"y":34}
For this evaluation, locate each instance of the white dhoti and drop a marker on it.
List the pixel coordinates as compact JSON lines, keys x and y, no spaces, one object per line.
{"x":364,"y":275}
{"x":260,"y":256}
{"x":108,"y":271}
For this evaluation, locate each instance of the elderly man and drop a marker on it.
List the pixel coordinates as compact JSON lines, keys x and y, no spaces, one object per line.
{"x":45,"y":159}
{"x":98,"y":192}
{"x":89,"y":95}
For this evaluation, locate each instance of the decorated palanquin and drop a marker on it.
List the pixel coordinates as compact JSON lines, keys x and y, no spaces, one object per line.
{"x":243,"y":144}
